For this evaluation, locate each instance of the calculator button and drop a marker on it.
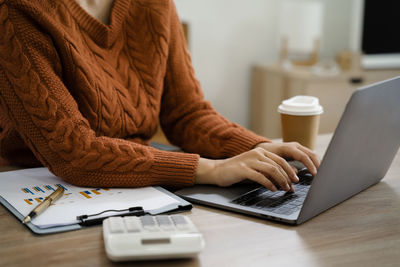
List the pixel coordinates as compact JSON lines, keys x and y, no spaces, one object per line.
{"x":147,"y":220}
{"x":132,"y":224}
{"x":178,"y":219}
{"x":149,"y":223}
{"x":164,"y":222}
{"x":180,"y":222}
{"x":116,"y":225}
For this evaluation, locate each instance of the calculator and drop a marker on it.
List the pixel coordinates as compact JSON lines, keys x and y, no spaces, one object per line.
{"x":151,"y":237}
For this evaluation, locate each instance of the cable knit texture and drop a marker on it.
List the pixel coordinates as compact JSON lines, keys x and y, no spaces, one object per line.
{"x":83,"y":98}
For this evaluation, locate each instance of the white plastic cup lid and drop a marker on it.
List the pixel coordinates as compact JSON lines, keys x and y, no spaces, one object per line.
{"x":301,"y":105}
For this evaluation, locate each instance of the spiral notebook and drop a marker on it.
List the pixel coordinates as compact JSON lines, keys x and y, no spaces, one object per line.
{"x":22,"y":190}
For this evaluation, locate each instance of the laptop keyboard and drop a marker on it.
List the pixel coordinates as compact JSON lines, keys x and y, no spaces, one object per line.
{"x":280,"y":202}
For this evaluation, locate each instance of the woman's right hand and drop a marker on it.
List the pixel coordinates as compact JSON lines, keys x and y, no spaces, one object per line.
{"x":258,"y":165}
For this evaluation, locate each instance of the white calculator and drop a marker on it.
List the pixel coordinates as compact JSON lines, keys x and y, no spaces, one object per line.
{"x":151,"y":237}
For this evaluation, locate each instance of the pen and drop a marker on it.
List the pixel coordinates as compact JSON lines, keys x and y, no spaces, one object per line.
{"x":45,"y":204}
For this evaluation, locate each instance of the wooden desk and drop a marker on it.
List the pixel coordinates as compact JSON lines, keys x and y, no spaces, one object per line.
{"x":363,"y":231}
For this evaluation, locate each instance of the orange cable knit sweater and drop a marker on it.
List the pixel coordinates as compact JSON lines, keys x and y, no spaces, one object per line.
{"x":83,"y":98}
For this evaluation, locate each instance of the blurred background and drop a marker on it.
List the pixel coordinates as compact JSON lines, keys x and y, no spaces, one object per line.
{"x":250,"y":55}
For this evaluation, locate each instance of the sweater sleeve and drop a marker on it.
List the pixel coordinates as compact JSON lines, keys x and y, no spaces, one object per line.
{"x":47,"y":118}
{"x":186,"y":118}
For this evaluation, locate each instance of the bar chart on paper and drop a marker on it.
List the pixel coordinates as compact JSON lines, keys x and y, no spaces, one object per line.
{"x":93,"y":192}
{"x":36,"y":193}
{"x":25,"y":189}
{"x":36,"y":186}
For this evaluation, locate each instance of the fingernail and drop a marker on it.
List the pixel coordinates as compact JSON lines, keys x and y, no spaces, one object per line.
{"x":296,"y":178}
{"x":274,"y":188}
{"x":287,"y":187}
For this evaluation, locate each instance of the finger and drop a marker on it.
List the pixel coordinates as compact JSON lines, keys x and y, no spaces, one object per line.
{"x":315,"y":159}
{"x":272,"y":171}
{"x":259,"y":178}
{"x":283,"y":184}
{"x":285,"y":165}
{"x":268,"y":157}
{"x":295,"y":170}
{"x":272,"y":158}
{"x":301,"y":156}
{"x":286,"y":186}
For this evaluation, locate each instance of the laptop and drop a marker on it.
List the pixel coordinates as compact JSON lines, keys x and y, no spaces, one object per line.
{"x":360,"y":152}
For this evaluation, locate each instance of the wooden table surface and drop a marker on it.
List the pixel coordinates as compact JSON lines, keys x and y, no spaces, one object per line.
{"x":362,"y":231}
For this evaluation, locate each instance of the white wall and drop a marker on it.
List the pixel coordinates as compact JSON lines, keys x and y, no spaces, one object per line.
{"x":228,"y":36}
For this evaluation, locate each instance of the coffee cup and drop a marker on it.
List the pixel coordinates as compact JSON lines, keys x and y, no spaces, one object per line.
{"x":300,"y":116}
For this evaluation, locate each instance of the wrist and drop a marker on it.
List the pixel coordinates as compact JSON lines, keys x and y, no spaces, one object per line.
{"x":262,"y":144}
{"x":204,"y":172}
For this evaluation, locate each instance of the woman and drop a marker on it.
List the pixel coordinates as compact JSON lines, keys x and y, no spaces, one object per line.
{"x":84,"y":83}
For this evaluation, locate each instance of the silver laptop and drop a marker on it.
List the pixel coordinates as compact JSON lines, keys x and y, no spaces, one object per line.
{"x":361,"y":151}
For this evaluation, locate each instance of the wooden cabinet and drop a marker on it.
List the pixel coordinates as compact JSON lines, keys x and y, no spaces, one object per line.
{"x":272,"y":84}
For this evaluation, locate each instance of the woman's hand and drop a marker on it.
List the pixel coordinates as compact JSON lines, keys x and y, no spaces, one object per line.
{"x":264,"y":164}
{"x":294,"y":151}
